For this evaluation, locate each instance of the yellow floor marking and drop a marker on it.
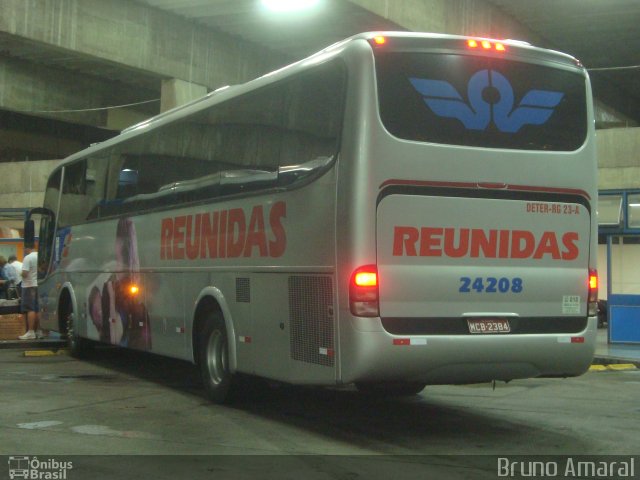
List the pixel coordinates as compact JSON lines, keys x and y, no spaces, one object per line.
{"x":44,"y":353}
{"x":621,"y":366}
{"x":597,"y":368}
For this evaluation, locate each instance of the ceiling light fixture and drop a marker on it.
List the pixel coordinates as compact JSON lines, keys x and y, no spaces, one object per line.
{"x":289,"y":5}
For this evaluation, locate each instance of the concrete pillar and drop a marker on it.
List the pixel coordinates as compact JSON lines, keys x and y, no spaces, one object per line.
{"x":176,"y":92}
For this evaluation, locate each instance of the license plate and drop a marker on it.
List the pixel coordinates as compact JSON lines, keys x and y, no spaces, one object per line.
{"x":489,"y":326}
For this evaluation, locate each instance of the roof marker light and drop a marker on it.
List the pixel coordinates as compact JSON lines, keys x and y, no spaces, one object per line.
{"x":379,"y":40}
{"x":486,"y":44}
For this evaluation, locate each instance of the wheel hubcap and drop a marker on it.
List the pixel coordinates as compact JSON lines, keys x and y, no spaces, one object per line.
{"x":217,"y":357}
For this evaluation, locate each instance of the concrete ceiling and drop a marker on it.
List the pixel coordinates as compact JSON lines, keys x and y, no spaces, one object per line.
{"x":295,"y":34}
{"x":601,"y":33}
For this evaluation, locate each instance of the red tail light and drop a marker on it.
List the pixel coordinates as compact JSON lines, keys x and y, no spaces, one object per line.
{"x":363,"y":292}
{"x":593,"y":292}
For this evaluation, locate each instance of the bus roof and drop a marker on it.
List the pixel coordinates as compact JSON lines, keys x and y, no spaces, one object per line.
{"x":397,"y":41}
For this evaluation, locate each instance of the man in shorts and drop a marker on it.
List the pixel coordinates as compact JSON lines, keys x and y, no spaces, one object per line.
{"x":29,"y":301}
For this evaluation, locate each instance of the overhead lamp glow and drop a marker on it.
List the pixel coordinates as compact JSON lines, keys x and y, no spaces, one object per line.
{"x":289,"y":5}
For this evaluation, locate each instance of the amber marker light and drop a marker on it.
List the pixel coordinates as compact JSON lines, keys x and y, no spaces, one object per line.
{"x":379,"y":40}
{"x":134,"y":289}
{"x":486,"y":44}
{"x":500,"y":47}
{"x":472,"y":43}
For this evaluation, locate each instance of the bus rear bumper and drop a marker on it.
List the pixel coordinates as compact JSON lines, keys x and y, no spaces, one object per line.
{"x":372,"y":356}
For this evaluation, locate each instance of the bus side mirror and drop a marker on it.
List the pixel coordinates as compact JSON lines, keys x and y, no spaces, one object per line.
{"x":29,"y":232}
{"x":29,"y":226}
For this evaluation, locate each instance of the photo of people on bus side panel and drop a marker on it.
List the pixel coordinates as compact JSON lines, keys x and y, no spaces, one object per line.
{"x":116,"y":309}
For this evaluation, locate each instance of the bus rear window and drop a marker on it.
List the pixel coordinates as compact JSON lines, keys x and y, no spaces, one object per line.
{"x":480,"y":101}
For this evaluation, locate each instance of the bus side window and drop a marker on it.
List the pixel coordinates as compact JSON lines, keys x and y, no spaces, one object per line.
{"x":78,"y":194}
{"x":127,"y":183}
{"x":314,"y":115}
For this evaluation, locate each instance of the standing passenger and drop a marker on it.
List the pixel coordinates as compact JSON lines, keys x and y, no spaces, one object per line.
{"x":5,"y":281}
{"x":17,"y":268}
{"x":29,"y":302}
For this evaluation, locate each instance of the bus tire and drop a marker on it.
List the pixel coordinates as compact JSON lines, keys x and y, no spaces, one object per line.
{"x":214,"y":360}
{"x":78,"y":347}
{"x":395,"y":389}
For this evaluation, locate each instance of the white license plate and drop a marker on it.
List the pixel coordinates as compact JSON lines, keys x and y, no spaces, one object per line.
{"x":486,"y":325}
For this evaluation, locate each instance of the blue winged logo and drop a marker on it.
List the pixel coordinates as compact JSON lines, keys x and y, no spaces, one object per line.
{"x":535,"y":107}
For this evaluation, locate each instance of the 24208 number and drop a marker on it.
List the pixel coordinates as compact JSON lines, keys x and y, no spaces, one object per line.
{"x":490,"y":285}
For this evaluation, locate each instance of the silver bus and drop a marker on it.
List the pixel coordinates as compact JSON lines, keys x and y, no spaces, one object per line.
{"x":397,"y":210}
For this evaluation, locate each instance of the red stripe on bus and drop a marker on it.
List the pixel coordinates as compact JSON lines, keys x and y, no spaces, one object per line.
{"x":402,"y":341}
{"x":485,"y":185}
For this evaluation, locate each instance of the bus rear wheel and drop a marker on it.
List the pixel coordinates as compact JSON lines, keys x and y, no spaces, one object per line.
{"x":214,"y":360}
{"x":389,"y":389}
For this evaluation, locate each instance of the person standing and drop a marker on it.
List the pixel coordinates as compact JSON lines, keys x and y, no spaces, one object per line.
{"x":17,"y":268}
{"x":5,"y":281}
{"x":10,"y":271}
{"x":29,"y":302}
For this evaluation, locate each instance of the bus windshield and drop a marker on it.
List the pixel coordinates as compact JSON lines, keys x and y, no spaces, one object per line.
{"x":481,"y":101}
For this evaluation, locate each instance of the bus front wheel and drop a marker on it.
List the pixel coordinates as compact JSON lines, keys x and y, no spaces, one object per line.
{"x":214,"y":360}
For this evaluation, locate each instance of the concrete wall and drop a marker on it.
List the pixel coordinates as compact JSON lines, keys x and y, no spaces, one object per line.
{"x":59,"y":93}
{"x":24,"y":183}
{"x":459,"y":17}
{"x":618,"y":158}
